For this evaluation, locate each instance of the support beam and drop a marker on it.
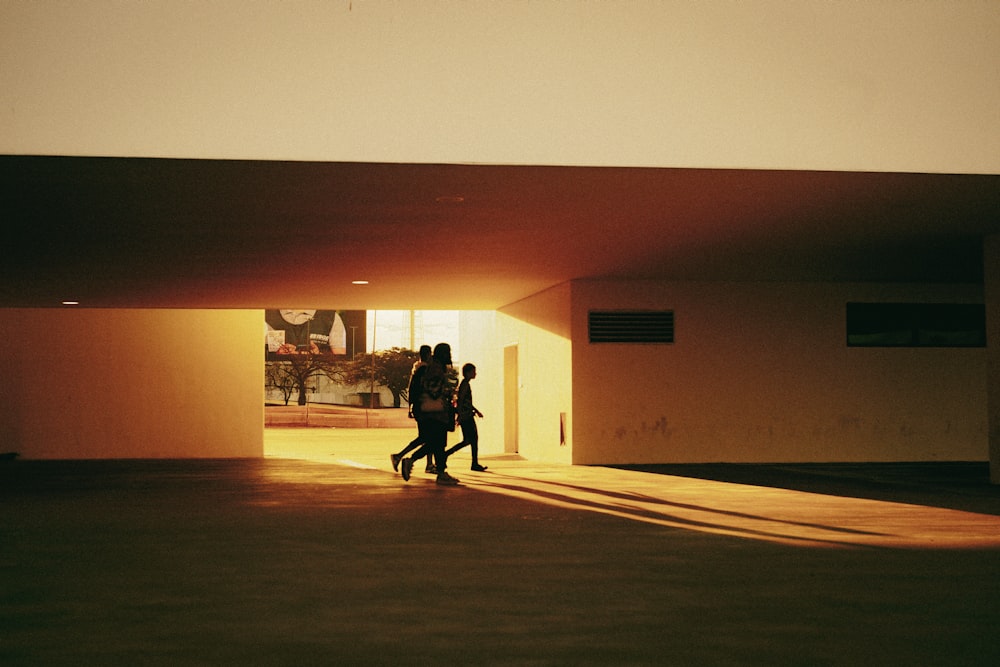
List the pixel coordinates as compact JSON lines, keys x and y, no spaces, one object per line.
{"x":991,"y":290}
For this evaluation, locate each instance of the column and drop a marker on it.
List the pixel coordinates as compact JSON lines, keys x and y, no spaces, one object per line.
{"x":991,"y":290}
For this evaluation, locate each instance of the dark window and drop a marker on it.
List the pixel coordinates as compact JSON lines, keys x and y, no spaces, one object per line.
{"x":916,"y":325}
{"x":631,"y":326}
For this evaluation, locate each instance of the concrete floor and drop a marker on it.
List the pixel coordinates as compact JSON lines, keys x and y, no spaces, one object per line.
{"x":319,"y":554}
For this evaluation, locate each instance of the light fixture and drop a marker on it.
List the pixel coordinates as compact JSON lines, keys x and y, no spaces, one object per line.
{"x":450,"y":199}
{"x":359,"y":282}
{"x":71,"y":303}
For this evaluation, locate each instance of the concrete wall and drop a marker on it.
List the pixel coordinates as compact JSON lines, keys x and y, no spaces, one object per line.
{"x":758,"y":372}
{"x":761,"y":373}
{"x":539,"y":327}
{"x":810,"y":84}
{"x":131,"y":383}
{"x":481,"y":337}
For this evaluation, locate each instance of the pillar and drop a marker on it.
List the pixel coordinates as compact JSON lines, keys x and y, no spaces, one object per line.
{"x":991,"y":290}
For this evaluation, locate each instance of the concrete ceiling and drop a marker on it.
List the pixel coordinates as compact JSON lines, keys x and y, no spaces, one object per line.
{"x":178,"y":233}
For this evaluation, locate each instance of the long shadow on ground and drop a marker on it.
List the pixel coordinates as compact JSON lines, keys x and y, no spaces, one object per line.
{"x":956,"y":485}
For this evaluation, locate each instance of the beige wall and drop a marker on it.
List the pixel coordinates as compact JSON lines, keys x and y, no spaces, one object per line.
{"x":758,"y":372}
{"x":481,"y":337}
{"x":761,"y":373}
{"x":539,"y":326}
{"x":131,"y":383}
{"x":809,"y":84}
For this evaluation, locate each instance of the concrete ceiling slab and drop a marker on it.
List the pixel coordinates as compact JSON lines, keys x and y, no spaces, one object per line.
{"x":189,"y":233}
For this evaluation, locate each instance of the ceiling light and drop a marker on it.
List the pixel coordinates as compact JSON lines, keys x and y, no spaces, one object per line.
{"x":71,"y":303}
{"x":450,"y":199}
{"x":359,"y":282}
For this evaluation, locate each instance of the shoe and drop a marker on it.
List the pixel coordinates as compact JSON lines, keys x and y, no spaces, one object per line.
{"x":479,"y":468}
{"x":395,"y":458}
{"x":446,"y":479}
{"x":431,"y":470}
{"x":406,"y":468}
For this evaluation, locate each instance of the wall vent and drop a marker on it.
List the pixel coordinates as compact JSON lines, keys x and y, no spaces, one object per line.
{"x":631,"y":326}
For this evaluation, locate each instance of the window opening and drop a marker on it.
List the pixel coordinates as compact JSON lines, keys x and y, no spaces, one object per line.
{"x":916,"y":325}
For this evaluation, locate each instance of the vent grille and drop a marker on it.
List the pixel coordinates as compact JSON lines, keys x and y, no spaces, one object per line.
{"x":631,"y":326}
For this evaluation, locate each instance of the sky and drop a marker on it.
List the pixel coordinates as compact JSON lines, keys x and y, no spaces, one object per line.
{"x":412,"y":328}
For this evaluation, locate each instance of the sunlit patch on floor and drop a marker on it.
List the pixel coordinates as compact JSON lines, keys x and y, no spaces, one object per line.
{"x":764,"y":513}
{"x":354,"y":464}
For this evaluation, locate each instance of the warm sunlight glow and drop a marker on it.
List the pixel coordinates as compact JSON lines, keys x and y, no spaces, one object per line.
{"x":794,"y":518}
{"x":739,"y":510}
{"x":412,"y":328}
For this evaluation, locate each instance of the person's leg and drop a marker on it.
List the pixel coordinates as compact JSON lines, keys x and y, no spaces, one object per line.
{"x":473,"y":437}
{"x":422,"y":449}
{"x":430,"y":467}
{"x":465,"y":437}
{"x":438,"y":444}
{"x":406,"y":463}
{"x":437,"y":439}
{"x":416,"y":442}
{"x":425,"y":450}
{"x":457,"y":447}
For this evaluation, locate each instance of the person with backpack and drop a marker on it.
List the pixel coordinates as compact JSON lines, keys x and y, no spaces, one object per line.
{"x":435,"y":414}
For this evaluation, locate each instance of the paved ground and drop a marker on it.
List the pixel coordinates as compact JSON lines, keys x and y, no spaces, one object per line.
{"x":320,"y":554}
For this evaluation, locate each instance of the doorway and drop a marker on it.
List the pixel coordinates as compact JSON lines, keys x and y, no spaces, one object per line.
{"x":510,"y":397}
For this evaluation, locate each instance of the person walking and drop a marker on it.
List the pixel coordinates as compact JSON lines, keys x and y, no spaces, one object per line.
{"x":467,"y":413}
{"x":435,"y":415}
{"x":413,"y":398}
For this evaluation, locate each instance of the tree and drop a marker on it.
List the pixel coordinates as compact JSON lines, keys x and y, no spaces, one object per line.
{"x":296,"y":370}
{"x":278,"y":377}
{"x":391,"y":370}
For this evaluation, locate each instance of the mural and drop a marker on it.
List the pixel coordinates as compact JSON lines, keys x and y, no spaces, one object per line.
{"x":325,"y":332}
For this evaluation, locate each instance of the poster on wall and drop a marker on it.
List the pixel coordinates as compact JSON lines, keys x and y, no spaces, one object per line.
{"x":290,"y":331}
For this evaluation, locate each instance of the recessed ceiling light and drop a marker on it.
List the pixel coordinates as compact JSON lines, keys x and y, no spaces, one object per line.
{"x":71,"y":303}
{"x":359,"y":282}
{"x":450,"y":199}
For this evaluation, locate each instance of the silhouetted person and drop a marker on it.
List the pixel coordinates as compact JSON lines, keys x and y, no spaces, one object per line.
{"x":467,"y":413}
{"x":435,"y":416}
{"x":413,"y":398}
